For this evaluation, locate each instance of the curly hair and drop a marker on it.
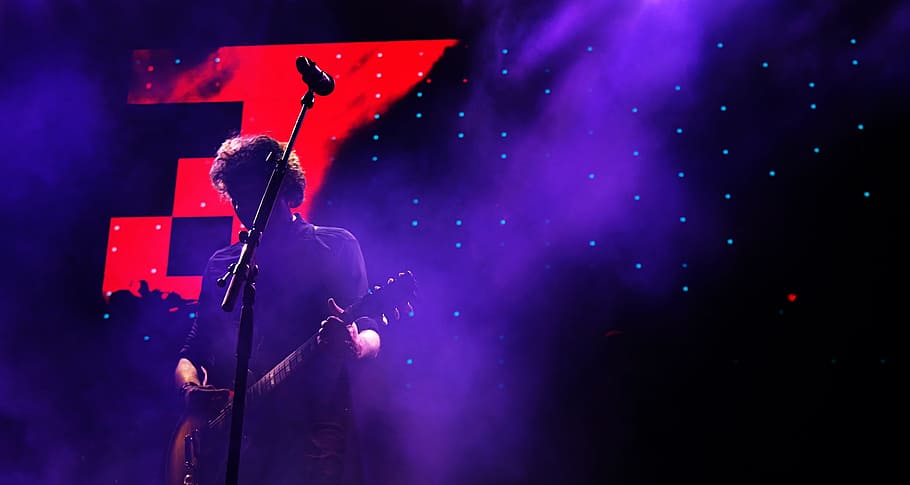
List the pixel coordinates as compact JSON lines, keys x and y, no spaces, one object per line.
{"x":239,"y":156}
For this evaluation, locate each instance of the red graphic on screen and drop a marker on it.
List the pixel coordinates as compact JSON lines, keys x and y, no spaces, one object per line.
{"x":369,"y":78}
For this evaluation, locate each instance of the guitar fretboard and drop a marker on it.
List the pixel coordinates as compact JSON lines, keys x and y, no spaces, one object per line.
{"x":282,"y":370}
{"x":271,"y":379}
{"x":369,"y":304}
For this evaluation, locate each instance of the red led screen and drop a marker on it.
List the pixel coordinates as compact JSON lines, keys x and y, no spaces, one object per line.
{"x":369,"y":78}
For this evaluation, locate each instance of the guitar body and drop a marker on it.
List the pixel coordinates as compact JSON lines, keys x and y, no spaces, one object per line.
{"x":197,"y":454}
{"x":198,"y":449}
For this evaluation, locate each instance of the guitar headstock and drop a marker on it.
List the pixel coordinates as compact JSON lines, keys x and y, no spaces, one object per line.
{"x":388,"y":301}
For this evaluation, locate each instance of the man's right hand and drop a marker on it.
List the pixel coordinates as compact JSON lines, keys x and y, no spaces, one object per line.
{"x":205,"y":401}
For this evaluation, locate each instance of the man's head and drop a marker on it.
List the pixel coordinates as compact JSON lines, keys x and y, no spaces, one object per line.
{"x":240,"y":172}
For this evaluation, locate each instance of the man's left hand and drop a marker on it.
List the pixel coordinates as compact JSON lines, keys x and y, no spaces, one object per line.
{"x":334,"y":334}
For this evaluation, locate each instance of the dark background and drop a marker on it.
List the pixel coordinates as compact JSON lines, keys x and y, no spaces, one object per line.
{"x":605,"y":383}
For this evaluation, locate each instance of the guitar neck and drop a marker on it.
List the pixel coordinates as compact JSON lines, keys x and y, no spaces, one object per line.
{"x":294,"y":360}
{"x":298,"y":357}
{"x":282,"y":370}
{"x":270,"y":380}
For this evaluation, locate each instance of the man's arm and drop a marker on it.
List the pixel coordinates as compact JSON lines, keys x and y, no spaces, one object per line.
{"x":349,"y":282}
{"x":367,"y":342}
{"x":186,"y":373}
{"x":196,"y":353}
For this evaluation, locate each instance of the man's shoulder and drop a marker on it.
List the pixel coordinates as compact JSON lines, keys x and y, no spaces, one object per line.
{"x":334,"y":234}
{"x":221,"y":258}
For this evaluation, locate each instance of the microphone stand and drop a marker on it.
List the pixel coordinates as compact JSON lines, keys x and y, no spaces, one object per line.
{"x":243,"y":274}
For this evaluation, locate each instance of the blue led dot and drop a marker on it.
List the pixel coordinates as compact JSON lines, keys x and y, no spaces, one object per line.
{"x":859,"y":126}
{"x":505,"y":51}
{"x":503,"y":134}
{"x":177,"y":61}
{"x":723,"y":107}
{"x":635,"y":110}
{"x":547,"y":91}
{"x":681,"y":174}
{"x":812,"y":106}
{"x":772,"y":173}
{"x":685,"y":265}
{"x":414,"y":223}
{"x":685,"y":288}
{"x":411,"y":313}
{"x":410,"y":361}
{"x":730,"y":241}
{"x":725,"y":151}
{"x":192,"y":314}
{"x":106,"y":316}
{"x":217,"y":59}
{"x":456,"y":313}
{"x":636,"y":197}
{"x":635,"y":153}
{"x":637,"y":265}
{"x":419,"y":115}
{"x":375,"y":137}
{"x":679,"y":130}
{"x":590,"y":48}
{"x":678,"y":87}
{"x":376,"y":116}
{"x":811,"y":84}
{"x":415,"y":201}
{"x":764,"y":64}
{"x":457,"y":222}
{"x":502,"y":222}
{"x":461,"y":114}
{"x":727,"y":196}
{"x":458,"y":245}
{"x":816,"y":149}
{"x":146,"y":338}
{"x":592,"y":243}
{"x":720,"y":45}
{"x":866,"y":194}
{"x":855,"y":62}
{"x":503,"y":156}
{"x":682,"y":219}
{"x":853,"y":41}
{"x":505,"y":71}
{"x":591,"y":176}
{"x":460,"y":135}
{"x":374,"y":158}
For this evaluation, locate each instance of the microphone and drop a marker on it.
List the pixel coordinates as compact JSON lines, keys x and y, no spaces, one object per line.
{"x":320,"y":82}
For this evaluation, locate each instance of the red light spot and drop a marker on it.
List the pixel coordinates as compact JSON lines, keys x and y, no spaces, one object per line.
{"x":791,"y":297}
{"x":148,"y":85}
{"x":151,"y":68}
{"x":464,"y":81}
{"x":429,"y":80}
{"x":173,"y":309}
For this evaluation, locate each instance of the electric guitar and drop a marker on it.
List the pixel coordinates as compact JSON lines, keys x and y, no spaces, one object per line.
{"x":198,"y":447}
